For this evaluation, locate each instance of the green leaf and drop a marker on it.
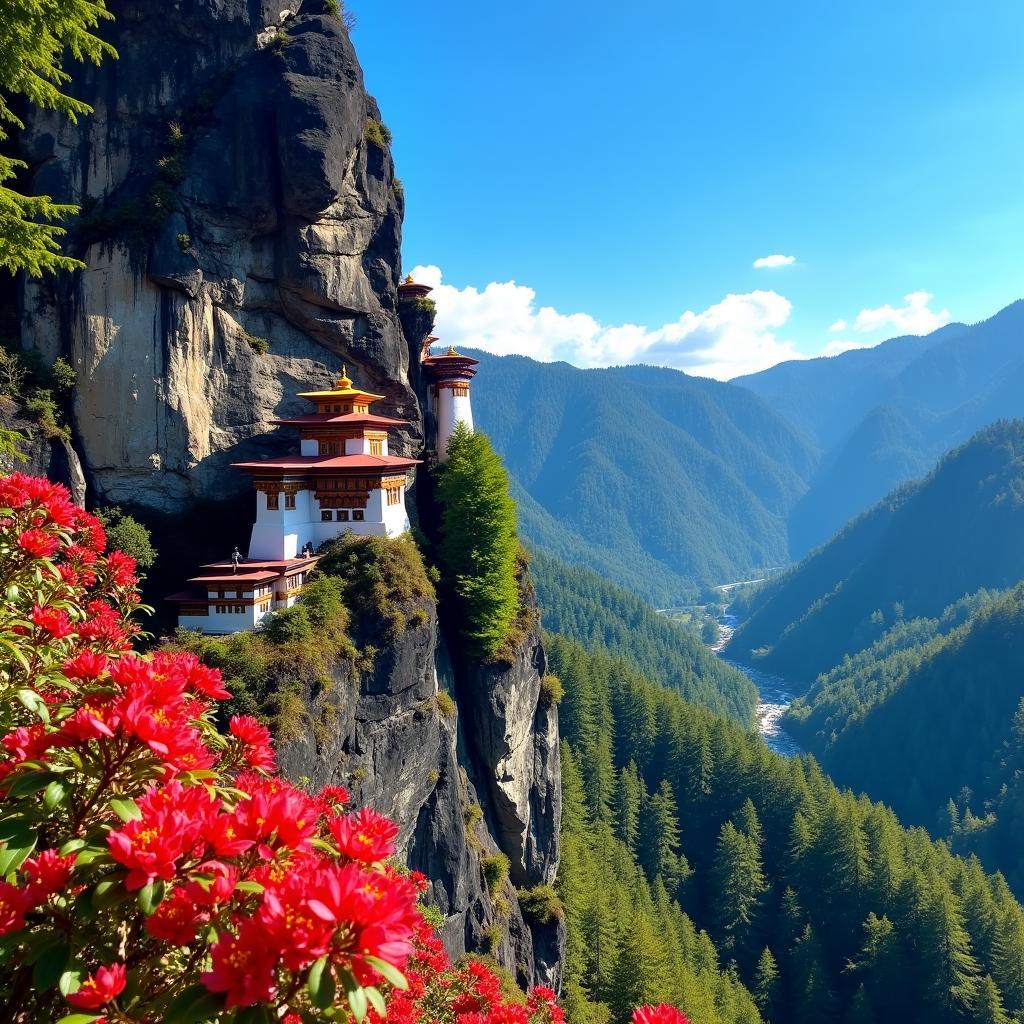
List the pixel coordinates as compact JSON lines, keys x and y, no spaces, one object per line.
{"x":389,"y":972}
{"x":377,"y":1002}
{"x":54,"y":795}
{"x":321,"y":984}
{"x":109,"y":893}
{"x":126,"y":810}
{"x":79,"y":1018}
{"x":50,"y":966}
{"x":32,"y":702}
{"x":195,"y":1004}
{"x":250,"y":886}
{"x":150,"y":896}
{"x":70,"y":979}
{"x":30,"y":782}
{"x":20,"y":841}
{"x":72,"y":846}
{"x":358,"y":1002}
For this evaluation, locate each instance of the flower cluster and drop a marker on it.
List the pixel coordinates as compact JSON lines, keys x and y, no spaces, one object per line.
{"x":154,"y":867}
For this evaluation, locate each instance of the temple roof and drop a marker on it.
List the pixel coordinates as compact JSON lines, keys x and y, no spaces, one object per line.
{"x":334,"y":463}
{"x":243,"y":575}
{"x":451,"y":356}
{"x":348,"y":419}
{"x":342,"y":389}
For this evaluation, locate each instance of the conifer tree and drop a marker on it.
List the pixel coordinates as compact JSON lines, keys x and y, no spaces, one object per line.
{"x":660,"y":838}
{"x":737,"y":885}
{"x":35,"y":35}
{"x":479,"y":542}
{"x":949,"y":968}
{"x":641,"y":976}
{"x":988,"y":1004}
{"x":767,"y":984}
{"x":629,"y":798}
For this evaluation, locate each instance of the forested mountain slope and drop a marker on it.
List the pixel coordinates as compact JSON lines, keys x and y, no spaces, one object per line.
{"x":696,"y":474}
{"x":830,"y":909}
{"x":581,"y":606}
{"x":885,"y":415}
{"x":946,"y":731}
{"x":919,"y":550}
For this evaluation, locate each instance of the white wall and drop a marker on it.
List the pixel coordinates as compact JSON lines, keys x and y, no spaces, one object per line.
{"x":451,"y":411}
{"x":230,"y":623}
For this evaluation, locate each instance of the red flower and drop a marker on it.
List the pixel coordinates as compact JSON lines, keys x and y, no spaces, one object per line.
{"x":87,"y":665}
{"x":121,"y":569}
{"x":365,"y":835}
{"x":38,"y":543}
{"x":259,"y":753}
{"x":332,"y":796}
{"x":275,"y":815}
{"x":106,"y":984}
{"x":662,"y":1014}
{"x":176,"y":919}
{"x":48,"y":873}
{"x":55,"y":621}
{"x":14,"y":903}
{"x":243,"y":967}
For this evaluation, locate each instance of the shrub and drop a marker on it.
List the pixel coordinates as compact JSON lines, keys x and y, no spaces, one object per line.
{"x":551,"y":690}
{"x":259,"y":345}
{"x":63,"y":375}
{"x":446,"y":705}
{"x":541,"y":904}
{"x":473,"y":815}
{"x":496,"y":867}
{"x":184,"y":242}
{"x":124,"y":533}
{"x":377,"y":132}
{"x":42,"y":407}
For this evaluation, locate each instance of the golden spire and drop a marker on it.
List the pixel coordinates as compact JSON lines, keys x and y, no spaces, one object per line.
{"x":408,"y":279}
{"x":344,"y":381}
{"x":451,"y":350}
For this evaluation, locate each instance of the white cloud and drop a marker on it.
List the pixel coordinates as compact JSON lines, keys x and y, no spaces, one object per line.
{"x":732,"y":337}
{"x":839,"y":325}
{"x":840,"y":345}
{"x":915,"y":317}
{"x":771,"y":262}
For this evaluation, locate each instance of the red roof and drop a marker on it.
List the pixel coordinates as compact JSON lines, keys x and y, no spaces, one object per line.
{"x":334,"y":463}
{"x":353,"y":419}
{"x":284,"y":565}
{"x":258,"y":576}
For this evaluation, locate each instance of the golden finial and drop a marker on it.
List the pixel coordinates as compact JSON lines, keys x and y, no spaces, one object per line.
{"x":451,"y":350}
{"x":344,"y":381}
{"x":408,"y":279}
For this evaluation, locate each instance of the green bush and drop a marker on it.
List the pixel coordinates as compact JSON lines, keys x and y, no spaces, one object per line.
{"x":446,"y":705}
{"x":64,"y":376}
{"x":184,"y":242}
{"x":124,"y":533}
{"x":551,"y":690}
{"x":377,"y":132}
{"x":259,"y":345}
{"x":42,"y":407}
{"x":496,"y":867}
{"x":541,"y":904}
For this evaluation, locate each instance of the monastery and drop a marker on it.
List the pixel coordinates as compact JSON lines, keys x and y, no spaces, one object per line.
{"x":342,"y":478}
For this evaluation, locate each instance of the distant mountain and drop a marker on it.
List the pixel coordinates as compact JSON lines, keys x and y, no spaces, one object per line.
{"x":884,"y":415}
{"x":919,"y":550}
{"x":579,"y":605}
{"x":643,"y":465}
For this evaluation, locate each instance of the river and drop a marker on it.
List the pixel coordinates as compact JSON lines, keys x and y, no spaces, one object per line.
{"x":775,"y":694}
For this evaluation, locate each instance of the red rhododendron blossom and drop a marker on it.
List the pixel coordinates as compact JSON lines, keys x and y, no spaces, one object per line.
{"x":177,"y":919}
{"x":48,"y":873}
{"x":243,"y":967}
{"x":259,"y":753}
{"x":38,"y":543}
{"x":87,"y":665}
{"x":55,"y":621}
{"x":121,"y":569}
{"x":662,"y":1014}
{"x":14,"y":904}
{"x":364,"y":835}
{"x":103,"y":986}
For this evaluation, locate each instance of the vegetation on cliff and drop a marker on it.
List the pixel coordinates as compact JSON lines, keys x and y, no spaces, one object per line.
{"x":479,"y":545}
{"x":862,"y":919}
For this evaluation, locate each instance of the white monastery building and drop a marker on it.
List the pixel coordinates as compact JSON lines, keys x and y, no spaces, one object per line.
{"x":343,"y":478}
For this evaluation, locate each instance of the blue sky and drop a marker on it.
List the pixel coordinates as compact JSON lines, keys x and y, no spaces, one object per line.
{"x":624,"y":164}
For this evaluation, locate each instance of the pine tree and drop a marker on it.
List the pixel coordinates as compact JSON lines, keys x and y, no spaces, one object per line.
{"x":949,"y":968}
{"x":479,"y":544}
{"x":1008,"y":958}
{"x":629,"y":799}
{"x":767,"y":984}
{"x":35,"y":35}
{"x":738,"y":883}
{"x":988,"y":1004}
{"x":641,"y":975}
{"x":748,"y":823}
{"x":660,"y":838}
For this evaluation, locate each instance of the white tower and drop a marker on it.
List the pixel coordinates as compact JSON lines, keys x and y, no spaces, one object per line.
{"x":448,"y":380}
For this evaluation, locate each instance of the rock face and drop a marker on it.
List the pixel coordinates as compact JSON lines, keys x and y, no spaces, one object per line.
{"x":238,"y":196}
{"x":241,"y":232}
{"x":463,"y":796}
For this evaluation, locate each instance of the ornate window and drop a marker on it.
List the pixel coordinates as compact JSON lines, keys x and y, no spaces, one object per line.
{"x":326,"y":516}
{"x":274,"y":500}
{"x":395,"y":496}
{"x":357,"y":515}
{"x":342,"y":516}
{"x":289,"y":501}
{"x":376,"y":446}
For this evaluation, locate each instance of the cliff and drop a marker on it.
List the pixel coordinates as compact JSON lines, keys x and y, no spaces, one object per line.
{"x":241,"y":230}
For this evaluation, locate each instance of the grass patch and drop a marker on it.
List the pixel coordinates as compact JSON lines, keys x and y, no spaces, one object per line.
{"x":445,"y":705}
{"x":496,"y":867}
{"x":541,"y":904}
{"x":377,"y":132}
